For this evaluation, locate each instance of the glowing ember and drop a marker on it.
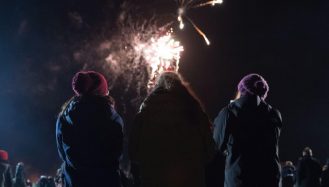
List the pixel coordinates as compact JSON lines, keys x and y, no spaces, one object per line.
{"x":185,"y":5}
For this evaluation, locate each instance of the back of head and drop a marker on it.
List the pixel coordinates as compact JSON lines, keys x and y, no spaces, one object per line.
{"x":169,"y":80}
{"x":253,"y":84}
{"x":289,"y":163}
{"x":174,"y":83}
{"x":307,"y":152}
{"x":89,"y":83}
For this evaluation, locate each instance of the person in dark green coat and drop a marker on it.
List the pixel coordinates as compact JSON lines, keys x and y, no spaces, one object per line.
{"x":171,"y":137}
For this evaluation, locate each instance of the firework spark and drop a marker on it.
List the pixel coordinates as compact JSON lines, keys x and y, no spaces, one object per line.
{"x":185,"y":5}
{"x":143,"y":51}
{"x":161,"y":53}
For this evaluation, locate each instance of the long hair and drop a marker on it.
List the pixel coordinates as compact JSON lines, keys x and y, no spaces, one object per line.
{"x":173,"y":82}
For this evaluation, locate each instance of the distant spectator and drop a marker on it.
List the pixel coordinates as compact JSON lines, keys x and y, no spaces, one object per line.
{"x":325,"y":175}
{"x":29,"y":183}
{"x":308,"y":170}
{"x":288,"y":174}
{"x":89,"y":134}
{"x":5,"y":170}
{"x":46,"y":181}
{"x":20,"y":180}
{"x":59,"y":178}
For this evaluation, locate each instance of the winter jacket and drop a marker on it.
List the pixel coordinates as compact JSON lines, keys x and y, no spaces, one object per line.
{"x":308,"y":172}
{"x":89,"y":139}
{"x":5,"y":174}
{"x":171,"y":141}
{"x":248,"y":130}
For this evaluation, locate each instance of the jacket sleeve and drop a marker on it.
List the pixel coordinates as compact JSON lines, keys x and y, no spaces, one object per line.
{"x":208,"y":141}
{"x":59,"y":139}
{"x":300,"y":174}
{"x":118,"y":135}
{"x":134,"y":137}
{"x":276,"y":117}
{"x":221,"y":132}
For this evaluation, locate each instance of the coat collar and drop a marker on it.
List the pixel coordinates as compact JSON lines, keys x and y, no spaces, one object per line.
{"x":248,"y":101}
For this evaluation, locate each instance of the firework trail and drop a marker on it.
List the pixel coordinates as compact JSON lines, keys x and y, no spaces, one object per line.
{"x":185,"y":5}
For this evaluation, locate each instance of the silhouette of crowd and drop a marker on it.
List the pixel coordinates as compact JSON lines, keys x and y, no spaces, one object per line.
{"x":172,"y":142}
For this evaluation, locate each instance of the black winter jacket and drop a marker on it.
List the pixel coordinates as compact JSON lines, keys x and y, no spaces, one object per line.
{"x":248,"y":130}
{"x":89,"y":139}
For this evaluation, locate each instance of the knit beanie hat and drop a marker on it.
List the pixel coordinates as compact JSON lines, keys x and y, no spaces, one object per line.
{"x":89,"y":83}
{"x":3,"y":155}
{"x":253,"y":84}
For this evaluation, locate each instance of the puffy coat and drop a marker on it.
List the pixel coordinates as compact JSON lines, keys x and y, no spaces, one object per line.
{"x":248,"y":130}
{"x":308,"y":172}
{"x":171,"y":140}
{"x":89,"y":139}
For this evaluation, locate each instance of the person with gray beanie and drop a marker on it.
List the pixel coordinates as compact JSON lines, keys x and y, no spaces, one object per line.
{"x":247,"y":132}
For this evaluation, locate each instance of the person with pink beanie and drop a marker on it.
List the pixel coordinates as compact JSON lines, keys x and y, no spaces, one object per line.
{"x":89,"y":134}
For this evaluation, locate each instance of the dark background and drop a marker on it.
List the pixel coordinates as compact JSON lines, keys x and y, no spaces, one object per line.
{"x":285,"y":41}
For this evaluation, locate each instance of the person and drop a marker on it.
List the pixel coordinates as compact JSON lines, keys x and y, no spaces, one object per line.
{"x":288,"y":174}
{"x":5,"y":170}
{"x":20,"y":180}
{"x":308,"y":170}
{"x":46,"y":181}
{"x":59,"y":177}
{"x":247,"y":132}
{"x":170,"y":139}
{"x":325,"y":175}
{"x":89,"y":134}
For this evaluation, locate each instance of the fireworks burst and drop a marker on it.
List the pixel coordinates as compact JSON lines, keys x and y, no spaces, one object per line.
{"x":161,"y":53}
{"x":142,"y":51}
{"x":185,"y":5}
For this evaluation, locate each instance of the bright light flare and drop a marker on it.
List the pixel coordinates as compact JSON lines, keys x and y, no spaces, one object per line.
{"x":161,"y":53}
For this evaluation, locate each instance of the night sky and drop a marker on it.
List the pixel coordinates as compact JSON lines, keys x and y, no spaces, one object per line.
{"x":41,"y":44}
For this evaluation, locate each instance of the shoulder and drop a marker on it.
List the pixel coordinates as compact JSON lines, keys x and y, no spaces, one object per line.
{"x":223,"y":115}
{"x":224,"y":111}
{"x":274,"y":113}
{"x":156,"y":97}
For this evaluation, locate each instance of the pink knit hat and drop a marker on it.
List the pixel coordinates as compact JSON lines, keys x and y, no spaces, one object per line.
{"x":89,"y":83}
{"x":3,"y":155}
